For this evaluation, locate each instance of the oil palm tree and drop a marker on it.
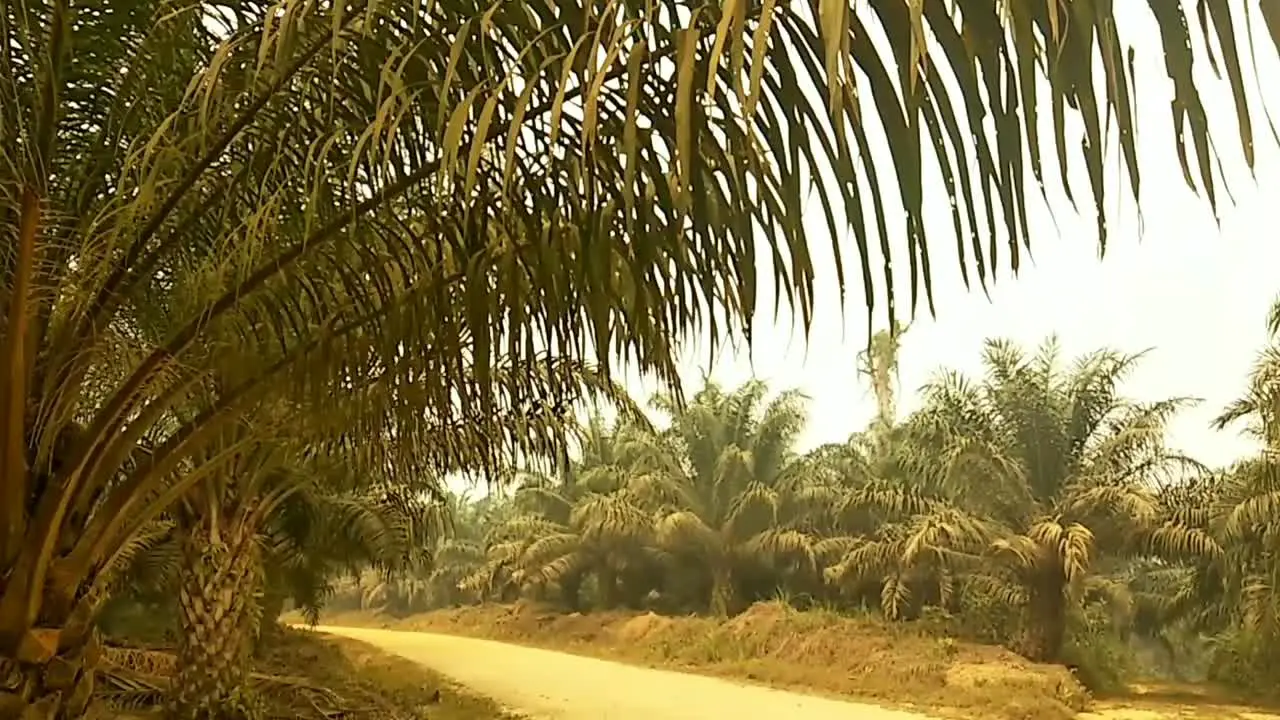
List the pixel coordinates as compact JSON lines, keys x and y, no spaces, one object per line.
{"x":474,"y":580}
{"x":223,"y":516}
{"x":600,"y":531}
{"x":234,"y":574}
{"x":724,"y":463}
{"x":591,"y":519}
{"x":874,"y":485}
{"x":322,"y":185}
{"x":327,"y":526}
{"x":1041,"y":469}
{"x":1232,"y":579}
{"x":1211,"y":573}
{"x":459,"y":551}
{"x":325,"y":533}
{"x":463,"y":567}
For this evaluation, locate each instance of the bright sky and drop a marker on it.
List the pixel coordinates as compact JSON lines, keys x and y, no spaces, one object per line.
{"x":1193,"y":291}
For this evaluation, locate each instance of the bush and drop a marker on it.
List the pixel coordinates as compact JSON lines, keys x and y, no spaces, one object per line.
{"x":980,"y":619}
{"x":1249,"y":663}
{"x":1095,"y":652}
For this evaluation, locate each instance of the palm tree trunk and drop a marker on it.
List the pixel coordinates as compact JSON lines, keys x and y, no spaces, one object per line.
{"x":49,"y":673}
{"x":217,"y":620}
{"x":722,"y":592}
{"x":571,"y":591}
{"x":607,"y":580}
{"x":273,"y":601}
{"x":1048,"y":627}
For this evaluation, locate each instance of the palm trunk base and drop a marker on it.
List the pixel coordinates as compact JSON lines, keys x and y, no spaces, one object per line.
{"x":1046,"y":633}
{"x":217,"y":614}
{"x":269,"y":627}
{"x":59,"y":687}
{"x":722,"y":594}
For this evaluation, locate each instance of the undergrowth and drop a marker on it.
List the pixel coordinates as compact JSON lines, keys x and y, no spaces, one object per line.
{"x":304,"y":675}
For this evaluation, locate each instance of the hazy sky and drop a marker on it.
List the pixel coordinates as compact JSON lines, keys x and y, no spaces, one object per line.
{"x":1194,"y":291}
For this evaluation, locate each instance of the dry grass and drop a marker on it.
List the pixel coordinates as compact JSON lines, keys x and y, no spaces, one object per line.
{"x":775,"y":645}
{"x":306,"y":675}
{"x":894,"y":665}
{"x":408,"y":686}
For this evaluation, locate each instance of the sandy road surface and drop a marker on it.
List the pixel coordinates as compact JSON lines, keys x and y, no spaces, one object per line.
{"x":556,"y":686}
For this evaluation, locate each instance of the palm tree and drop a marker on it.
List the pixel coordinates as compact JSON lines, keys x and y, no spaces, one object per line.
{"x":222,"y":518}
{"x":1046,"y":468}
{"x":1217,"y":578}
{"x":233,"y":576}
{"x":324,"y":533}
{"x":307,"y":192}
{"x":459,"y":552}
{"x":724,"y":465}
{"x":325,"y":527}
{"x":593,"y":520}
{"x":1228,"y":583}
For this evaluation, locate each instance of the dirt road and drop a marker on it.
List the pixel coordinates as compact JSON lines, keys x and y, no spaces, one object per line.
{"x":556,"y":686}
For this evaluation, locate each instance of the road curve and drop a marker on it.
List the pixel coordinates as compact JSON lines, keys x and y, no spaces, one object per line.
{"x":549,"y":685}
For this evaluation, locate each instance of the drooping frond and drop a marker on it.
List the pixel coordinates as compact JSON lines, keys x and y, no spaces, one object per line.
{"x":686,"y":530}
{"x":1178,"y":542}
{"x":1002,"y":592}
{"x":944,"y":538}
{"x":751,"y":511}
{"x":612,"y":518}
{"x":1070,"y":545}
{"x":784,"y":546}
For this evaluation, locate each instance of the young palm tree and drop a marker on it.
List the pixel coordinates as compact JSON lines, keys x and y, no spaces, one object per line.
{"x":312,"y":190}
{"x":455,"y":554}
{"x":1218,"y":573}
{"x":726,"y":462}
{"x":324,"y":534}
{"x":1234,"y":521}
{"x":471,"y":579}
{"x":592,"y":520}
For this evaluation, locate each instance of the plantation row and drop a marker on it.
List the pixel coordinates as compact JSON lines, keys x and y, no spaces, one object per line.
{"x":1035,"y":507}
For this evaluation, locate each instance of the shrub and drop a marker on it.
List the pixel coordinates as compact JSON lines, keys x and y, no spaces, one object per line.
{"x":1095,"y":652}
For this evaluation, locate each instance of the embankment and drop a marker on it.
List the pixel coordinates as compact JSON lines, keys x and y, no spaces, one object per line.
{"x":823,"y":652}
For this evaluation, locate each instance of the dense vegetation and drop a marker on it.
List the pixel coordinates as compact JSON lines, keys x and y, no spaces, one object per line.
{"x":270,"y":270}
{"x":1036,"y":507}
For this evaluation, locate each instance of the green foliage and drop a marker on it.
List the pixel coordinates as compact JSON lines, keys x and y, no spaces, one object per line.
{"x":1245,"y":661}
{"x":1096,"y":652}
